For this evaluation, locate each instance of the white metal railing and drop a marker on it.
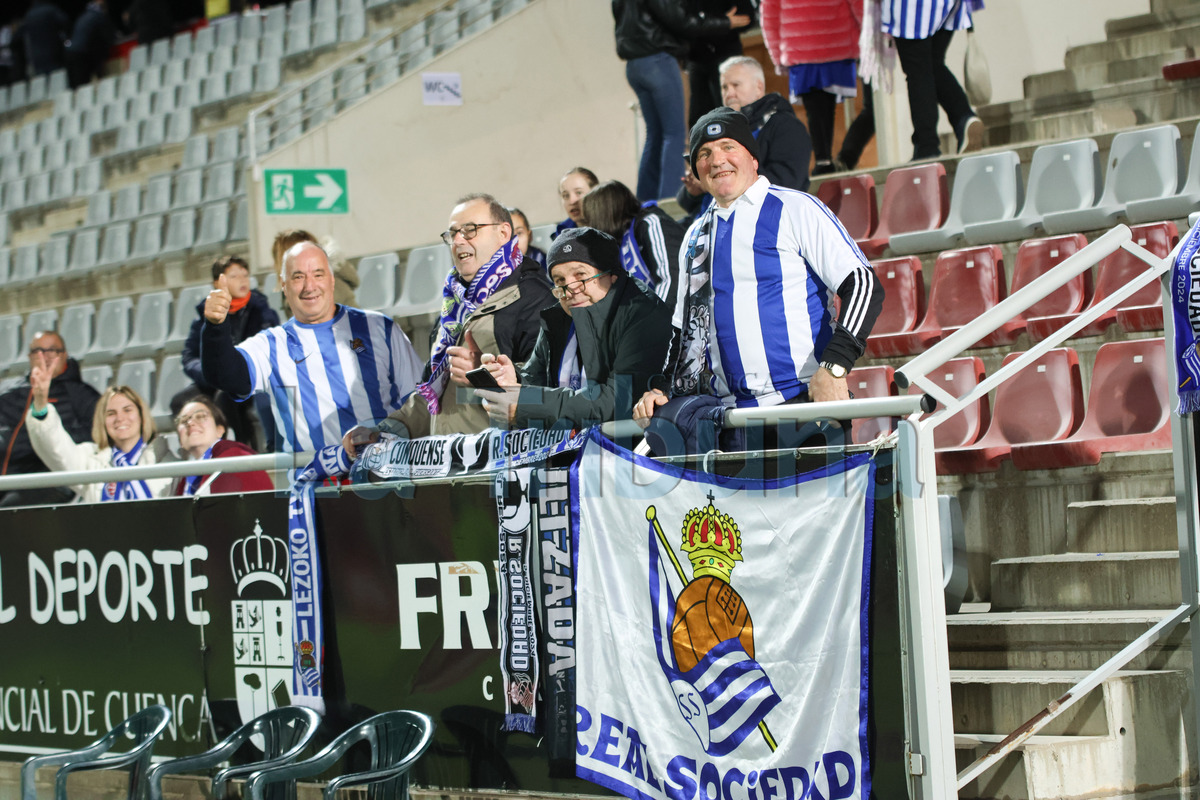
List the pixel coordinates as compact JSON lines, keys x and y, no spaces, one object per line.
{"x":383,"y":61}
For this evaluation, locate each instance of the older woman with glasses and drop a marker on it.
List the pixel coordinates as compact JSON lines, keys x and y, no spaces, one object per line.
{"x":122,"y":436}
{"x":597,"y":349}
{"x":201,"y":428}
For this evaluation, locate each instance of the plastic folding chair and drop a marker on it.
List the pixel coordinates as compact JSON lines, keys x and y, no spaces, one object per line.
{"x":1128,"y":409}
{"x":281,"y":735}
{"x":987,"y":188}
{"x":1175,"y":206}
{"x":1143,"y":309}
{"x":423,"y":280}
{"x":377,"y":281}
{"x":965,"y":283}
{"x":144,"y":727}
{"x":396,"y":740}
{"x":112,"y":330}
{"x":76,"y":327}
{"x":914,"y":199}
{"x":877,"y":381}
{"x":139,"y":376}
{"x":1063,"y":177}
{"x":1043,"y":402}
{"x":959,"y":376}
{"x":903,"y":301}
{"x":1143,"y":164}
{"x":1035,"y":258}
{"x":151,"y":322}
{"x":852,"y":201}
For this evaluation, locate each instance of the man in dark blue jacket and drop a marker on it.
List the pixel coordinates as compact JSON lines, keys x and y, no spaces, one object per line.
{"x":91,"y":40}
{"x":249,"y":313}
{"x":44,"y":32}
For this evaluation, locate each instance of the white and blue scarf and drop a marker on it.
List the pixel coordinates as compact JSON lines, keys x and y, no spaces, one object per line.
{"x":458,"y":304}
{"x":126,"y":490}
{"x":1185,"y":304}
{"x":631,"y":256}
{"x":308,"y":628}
{"x":570,"y":367}
{"x":690,"y":368}
{"x":191,"y":484}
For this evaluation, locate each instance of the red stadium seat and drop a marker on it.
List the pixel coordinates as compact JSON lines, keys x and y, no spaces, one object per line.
{"x":871,"y":382}
{"x":966,"y":283}
{"x":852,"y":201}
{"x":1144,"y":307}
{"x":903,"y":298}
{"x":1043,"y":402}
{"x":914,"y":199}
{"x":1035,"y":258}
{"x":959,"y":376}
{"x":1129,"y":409}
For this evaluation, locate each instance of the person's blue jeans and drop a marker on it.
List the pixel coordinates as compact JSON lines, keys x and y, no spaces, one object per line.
{"x":659,"y":88}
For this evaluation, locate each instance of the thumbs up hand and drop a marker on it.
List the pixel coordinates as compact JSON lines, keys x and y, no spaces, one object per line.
{"x":216,"y":305}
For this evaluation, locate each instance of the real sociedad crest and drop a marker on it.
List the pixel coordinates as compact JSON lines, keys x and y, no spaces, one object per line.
{"x":704,"y":635}
{"x":262,"y":623}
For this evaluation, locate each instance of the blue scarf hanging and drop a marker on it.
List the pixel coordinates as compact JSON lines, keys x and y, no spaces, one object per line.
{"x":126,"y":490}
{"x":631,"y":257}
{"x":192,"y":482}
{"x":1185,"y":304}
{"x":458,"y":304}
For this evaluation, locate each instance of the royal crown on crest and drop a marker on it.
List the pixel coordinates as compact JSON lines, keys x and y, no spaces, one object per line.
{"x":712,"y":541}
{"x":258,"y":558}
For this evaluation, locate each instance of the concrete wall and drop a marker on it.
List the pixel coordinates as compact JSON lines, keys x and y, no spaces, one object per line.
{"x":1019,"y":38}
{"x":543,"y":90}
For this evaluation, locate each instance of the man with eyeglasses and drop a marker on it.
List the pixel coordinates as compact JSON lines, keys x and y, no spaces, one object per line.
{"x":490,"y":304}
{"x":75,"y":402}
{"x":598,"y":346}
{"x":755,"y":318}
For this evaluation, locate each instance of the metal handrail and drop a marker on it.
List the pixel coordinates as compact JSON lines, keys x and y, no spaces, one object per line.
{"x":170,"y":469}
{"x":358,"y":62}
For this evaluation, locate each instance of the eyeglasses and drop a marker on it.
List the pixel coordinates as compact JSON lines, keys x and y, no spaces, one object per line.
{"x":468,"y":231}
{"x":50,"y":351}
{"x":565,"y":291}
{"x":198,"y":417}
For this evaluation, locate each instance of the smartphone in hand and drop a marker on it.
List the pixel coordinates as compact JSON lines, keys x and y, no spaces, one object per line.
{"x":481,"y":378}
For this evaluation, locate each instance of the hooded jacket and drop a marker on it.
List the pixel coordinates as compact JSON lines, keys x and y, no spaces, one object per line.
{"x":622,"y":342}
{"x":784,"y":146}
{"x":75,"y":402}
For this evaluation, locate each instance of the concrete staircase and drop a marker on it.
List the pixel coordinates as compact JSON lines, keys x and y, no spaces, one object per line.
{"x":1109,"y":85}
{"x":1060,"y":606}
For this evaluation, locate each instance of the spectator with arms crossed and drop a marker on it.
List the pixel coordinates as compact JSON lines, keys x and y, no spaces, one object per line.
{"x":753,"y":318}
{"x":324,"y":370}
{"x":598,"y":347}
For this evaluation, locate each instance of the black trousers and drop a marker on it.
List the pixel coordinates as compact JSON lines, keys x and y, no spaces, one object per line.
{"x":819,"y":106}
{"x":930,"y":84}
{"x":861,"y":131}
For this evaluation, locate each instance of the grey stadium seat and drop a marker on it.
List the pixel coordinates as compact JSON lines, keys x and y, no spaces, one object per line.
{"x":1143,"y":164}
{"x":986,"y":188}
{"x":424,"y":276}
{"x":171,"y":380}
{"x":44,"y":320}
{"x":189,"y":188}
{"x":10,"y":343}
{"x":24,"y":263}
{"x":158,"y":194}
{"x":185,"y":313}
{"x":181,"y":231}
{"x":99,"y":210}
{"x":1176,"y":206}
{"x":147,"y":238}
{"x":151,"y":322}
{"x":54,"y":255}
{"x":377,"y":281}
{"x":85,"y":249}
{"x":139,"y":376}
{"x":99,"y":377}
{"x":214,"y":224}
{"x":76,"y":328}
{"x":114,"y":246}
{"x":112,"y":330}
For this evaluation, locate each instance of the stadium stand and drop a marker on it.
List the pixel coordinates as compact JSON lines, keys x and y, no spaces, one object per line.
{"x":914,"y":199}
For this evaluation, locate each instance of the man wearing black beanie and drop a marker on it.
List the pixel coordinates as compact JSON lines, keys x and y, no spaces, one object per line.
{"x":597,"y":350}
{"x":755,"y":319}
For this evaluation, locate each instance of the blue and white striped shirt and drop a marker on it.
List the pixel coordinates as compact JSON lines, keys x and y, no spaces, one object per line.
{"x":778,"y":257}
{"x":920,"y":19}
{"x":324,"y":379}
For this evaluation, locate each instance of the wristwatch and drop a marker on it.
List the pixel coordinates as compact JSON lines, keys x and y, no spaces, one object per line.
{"x":836,"y":370}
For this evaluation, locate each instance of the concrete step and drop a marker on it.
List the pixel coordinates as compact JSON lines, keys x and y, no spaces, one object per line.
{"x":1003,"y":130}
{"x":1129,"y":734}
{"x":1163,"y":19}
{"x":1113,"y":526}
{"x":1079,"y":640}
{"x":1144,"y":95}
{"x":1094,"y":76}
{"x":1168,"y":6}
{"x":1086,"y":581}
{"x":1134,"y":46}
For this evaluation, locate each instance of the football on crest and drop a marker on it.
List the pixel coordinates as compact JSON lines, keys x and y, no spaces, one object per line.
{"x":708,"y":612}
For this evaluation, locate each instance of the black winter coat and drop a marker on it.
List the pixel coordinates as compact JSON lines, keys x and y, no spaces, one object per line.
{"x":647,"y":27}
{"x":75,"y":402}
{"x":784,"y":146}
{"x":623,"y":343}
{"x":257,"y":315}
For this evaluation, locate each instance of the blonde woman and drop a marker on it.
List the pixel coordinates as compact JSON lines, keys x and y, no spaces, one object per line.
{"x":122,"y":433}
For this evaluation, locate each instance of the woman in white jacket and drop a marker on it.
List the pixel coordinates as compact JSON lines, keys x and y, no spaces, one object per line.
{"x":123,"y":434}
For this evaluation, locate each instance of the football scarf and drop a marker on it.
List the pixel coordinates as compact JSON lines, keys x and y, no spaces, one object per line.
{"x":126,"y":490}
{"x":308,"y":641}
{"x":1185,"y":305}
{"x":631,"y":256}
{"x":687,"y":371}
{"x":458,"y":304}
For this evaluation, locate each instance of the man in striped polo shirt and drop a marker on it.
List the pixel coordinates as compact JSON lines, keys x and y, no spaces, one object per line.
{"x":325,"y":370}
{"x":754,"y":323}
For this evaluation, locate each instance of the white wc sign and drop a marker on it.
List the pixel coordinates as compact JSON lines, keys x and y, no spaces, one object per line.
{"x":441,"y":88}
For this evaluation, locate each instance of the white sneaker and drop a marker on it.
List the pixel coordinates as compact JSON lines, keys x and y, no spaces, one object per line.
{"x":972,"y":135}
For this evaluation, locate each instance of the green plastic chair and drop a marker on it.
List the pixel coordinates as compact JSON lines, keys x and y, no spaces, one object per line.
{"x":143,"y":727}
{"x":285,"y":733}
{"x":396,"y":738}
